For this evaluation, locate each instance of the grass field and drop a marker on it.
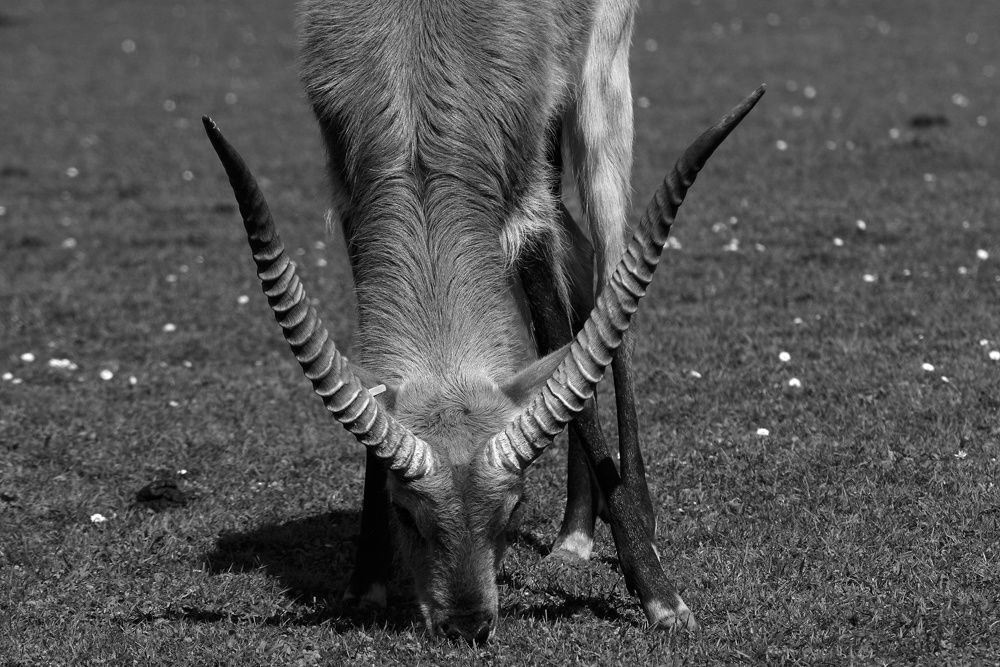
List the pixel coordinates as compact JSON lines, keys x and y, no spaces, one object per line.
{"x":851,"y":222}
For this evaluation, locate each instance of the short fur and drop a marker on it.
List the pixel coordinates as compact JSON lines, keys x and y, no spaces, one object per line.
{"x":439,"y":117}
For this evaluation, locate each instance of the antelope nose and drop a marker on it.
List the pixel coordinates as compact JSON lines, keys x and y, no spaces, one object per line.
{"x":473,"y":629}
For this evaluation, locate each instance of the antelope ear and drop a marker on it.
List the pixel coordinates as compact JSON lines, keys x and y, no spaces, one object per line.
{"x":528,"y":381}
{"x":386,"y":392}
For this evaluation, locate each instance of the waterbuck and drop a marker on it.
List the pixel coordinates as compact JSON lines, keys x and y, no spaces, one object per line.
{"x":444,"y":124}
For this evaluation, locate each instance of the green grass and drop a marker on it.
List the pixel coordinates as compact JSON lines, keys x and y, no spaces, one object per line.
{"x":863,"y":529}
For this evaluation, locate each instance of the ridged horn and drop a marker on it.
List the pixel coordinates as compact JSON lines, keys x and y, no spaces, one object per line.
{"x":332,"y":378}
{"x":574,"y":380}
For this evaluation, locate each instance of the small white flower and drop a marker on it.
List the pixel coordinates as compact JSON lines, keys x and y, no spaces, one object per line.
{"x":961,"y":454}
{"x":69,"y":243}
{"x":929,"y":178}
{"x":982,"y":121}
{"x":642,"y":102}
{"x":243,"y":299}
{"x":182,"y":471}
{"x":173,"y":404}
{"x":869,"y":277}
{"x":98,"y":518}
{"x":171,"y":278}
{"x":983,"y":342}
{"x":960,"y":100}
{"x":651,"y":45}
{"x":837,"y":241}
{"x":732,"y":246}
{"x":7,"y":377}
{"x":321,"y":262}
{"x":695,"y":374}
{"x":784,"y":356}
{"x":927,"y":367}
{"x":133,"y":380}
{"x":16,"y":381}
{"x":128,"y":46}
{"x":27,"y":357}
{"x":763,"y":432}
{"x":781,"y":145}
{"x":170,"y":327}
{"x":187,"y":364}
{"x":894,"y":133}
{"x":106,"y":374}
{"x":963,"y":271}
{"x":72,"y":172}
{"x":795,"y":383}
{"x":995,"y":355}
{"x":982,"y":255}
{"x":809,"y":92}
{"x":187,"y":175}
{"x":169,"y":105}
{"x":861,"y":225}
{"x":759,"y":247}
{"x":64,"y":364}
{"x":319,"y":245}
{"x":798,"y":321}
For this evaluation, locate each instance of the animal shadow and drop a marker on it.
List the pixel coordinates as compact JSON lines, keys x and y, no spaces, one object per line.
{"x":312,"y":559}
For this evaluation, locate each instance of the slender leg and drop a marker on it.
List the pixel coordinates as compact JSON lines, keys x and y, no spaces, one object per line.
{"x":600,"y":129}
{"x":552,"y":331}
{"x":636,"y":553}
{"x":367,"y":586}
{"x":633,"y":470}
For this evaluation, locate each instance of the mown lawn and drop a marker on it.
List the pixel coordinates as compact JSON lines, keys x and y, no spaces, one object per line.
{"x":852,"y":223}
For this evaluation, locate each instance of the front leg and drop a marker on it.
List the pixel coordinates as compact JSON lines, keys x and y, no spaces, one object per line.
{"x":367,"y":586}
{"x":633,"y":469}
{"x":598,"y":476}
{"x":552,"y":328}
{"x":600,"y":129}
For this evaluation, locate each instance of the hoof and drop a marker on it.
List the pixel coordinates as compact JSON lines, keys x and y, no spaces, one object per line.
{"x":662,"y":617}
{"x":565,"y":556}
{"x":576,"y":546}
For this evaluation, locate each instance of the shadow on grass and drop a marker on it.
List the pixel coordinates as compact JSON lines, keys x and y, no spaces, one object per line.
{"x":312,"y":559}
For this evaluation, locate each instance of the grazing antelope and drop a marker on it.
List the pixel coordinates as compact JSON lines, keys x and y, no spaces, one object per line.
{"x":443,"y":123}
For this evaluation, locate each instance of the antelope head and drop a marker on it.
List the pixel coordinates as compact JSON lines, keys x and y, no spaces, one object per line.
{"x":454,"y":502}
